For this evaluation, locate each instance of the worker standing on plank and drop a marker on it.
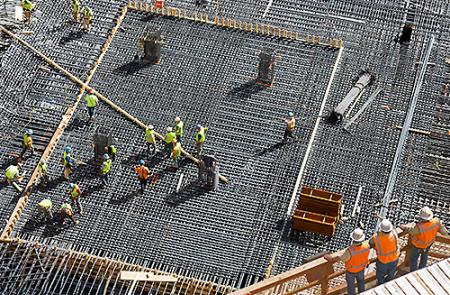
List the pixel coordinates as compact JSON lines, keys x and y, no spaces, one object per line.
{"x":105,"y":169}
{"x":111,"y":150}
{"x":150,"y":139}
{"x":67,"y":212}
{"x":176,"y":153}
{"x":68,"y":162}
{"x":423,"y":235}
{"x":179,"y":129}
{"x":27,"y":143}
{"x":168,"y":139}
{"x":42,"y":172}
{"x":143,"y":174}
{"x":386,"y":245}
{"x":87,"y":18}
{"x":45,"y":209}
{"x":76,"y":10}
{"x":200,"y":137}
{"x":75,"y":194}
{"x":356,"y":258}
{"x":91,"y":102}
{"x":27,"y":7}
{"x":290,"y":127}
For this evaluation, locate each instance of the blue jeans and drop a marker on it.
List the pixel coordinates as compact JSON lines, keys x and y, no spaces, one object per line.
{"x":350,"y":278}
{"x":91,"y":112}
{"x":104,"y":178}
{"x":415,"y":254}
{"x":386,"y":272}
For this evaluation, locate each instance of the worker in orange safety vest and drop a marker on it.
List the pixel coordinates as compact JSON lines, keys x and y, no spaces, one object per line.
{"x":423,"y":235}
{"x":356,"y":258}
{"x":385,"y":243}
{"x":143,"y":174}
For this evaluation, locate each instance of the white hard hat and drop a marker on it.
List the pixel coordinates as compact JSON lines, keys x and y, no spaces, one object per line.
{"x":425,"y":213}
{"x":150,"y":127}
{"x":358,"y":235}
{"x":177,"y":119}
{"x":386,"y":226}
{"x":169,"y":129}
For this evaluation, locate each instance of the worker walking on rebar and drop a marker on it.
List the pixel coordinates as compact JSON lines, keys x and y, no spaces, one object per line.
{"x":76,"y":10}
{"x":176,"y":153}
{"x":67,"y":212}
{"x":111,"y":150}
{"x":45,"y":209}
{"x":68,"y":162}
{"x":200,"y":138}
{"x":87,"y":18}
{"x":75,"y":194}
{"x":91,"y":102}
{"x":105,"y":169}
{"x":168,"y":139}
{"x":356,"y":258}
{"x":42,"y":172}
{"x":150,"y":140}
{"x":386,"y":245}
{"x":179,"y":128}
{"x":27,"y":144}
{"x":290,"y":127}
{"x":423,"y":234}
{"x":143,"y":174}
{"x":27,"y":7}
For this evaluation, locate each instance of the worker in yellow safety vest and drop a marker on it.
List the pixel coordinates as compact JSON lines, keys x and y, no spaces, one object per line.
{"x":12,"y":174}
{"x":179,"y":129}
{"x":76,"y":10}
{"x":356,"y":259}
{"x":68,"y":162}
{"x":386,"y":245}
{"x":290,"y":127}
{"x":27,"y":7}
{"x":423,"y":234}
{"x":75,"y":194}
{"x":200,"y":138}
{"x":176,"y":153}
{"x":150,"y":140}
{"x":105,"y":169}
{"x":67,"y":212}
{"x":111,"y":150}
{"x":42,"y":172}
{"x":27,"y":144}
{"x":168,"y":139}
{"x":91,"y":102}
{"x":143,"y":174}
{"x":87,"y":18}
{"x":45,"y":209}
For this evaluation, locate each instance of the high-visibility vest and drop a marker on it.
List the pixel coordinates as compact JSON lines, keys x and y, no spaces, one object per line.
{"x":87,"y":12}
{"x":66,"y":206}
{"x":27,"y":5}
{"x":159,"y":4}
{"x":91,"y":100}
{"x":112,"y":150}
{"x":67,"y":159}
{"x":42,"y":168}
{"x":427,"y":233}
{"x":75,"y":192}
{"x":291,"y":124}
{"x":11,"y":172}
{"x":45,"y":204}
{"x":179,"y":128}
{"x":200,"y":136}
{"x":142,"y":172}
{"x":75,"y":6}
{"x":359,"y":258}
{"x":169,"y":137}
{"x":27,"y":140}
{"x":106,"y":166}
{"x":386,"y":245}
{"x":176,"y":150}
{"x":150,"y":136}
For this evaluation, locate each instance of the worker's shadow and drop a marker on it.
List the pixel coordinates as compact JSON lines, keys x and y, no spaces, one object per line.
{"x":73,"y":35}
{"x":244,"y":91}
{"x":76,"y":124}
{"x":270,"y":149}
{"x":131,"y":67}
{"x":51,"y":184}
{"x":124,"y":199}
{"x":56,"y":227}
{"x":33,"y":224}
{"x":192,"y":190}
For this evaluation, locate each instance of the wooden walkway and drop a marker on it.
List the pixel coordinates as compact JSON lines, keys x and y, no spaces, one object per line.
{"x":434,"y":279}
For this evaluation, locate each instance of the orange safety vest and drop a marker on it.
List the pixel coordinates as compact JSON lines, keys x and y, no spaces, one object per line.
{"x":159,"y":4}
{"x":386,"y":245}
{"x":427,"y":233}
{"x":142,"y":171}
{"x":359,"y":258}
{"x":291,"y":124}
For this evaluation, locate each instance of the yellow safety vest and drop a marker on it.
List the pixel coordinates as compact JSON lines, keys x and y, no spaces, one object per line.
{"x":74,"y":193}
{"x":45,"y":204}
{"x":169,"y":137}
{"x":179,"y":128}
{"x":11,"y":172}
{"x":27,"y":140}
{"x":106,"y":166}
{"x":150,"y":136}
{"x":176,"y":150}
{"x":200,"y":136}
{"x":91,"y":100}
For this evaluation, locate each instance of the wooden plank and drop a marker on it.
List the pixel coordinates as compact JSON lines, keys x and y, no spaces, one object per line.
{"x":423,"y":277}
{"x":439,"y":276}
{"x":381,"y":291}
{"x":445,"y":270}
{"x":145,"y":277}
{"x":418,"y":285}
{"x":394,"y":289}
{"x":406,"y":286}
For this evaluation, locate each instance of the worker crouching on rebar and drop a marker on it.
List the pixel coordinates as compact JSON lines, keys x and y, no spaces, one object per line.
{"x":87,"y":18}
{"x":42,"y":173}
{"x":45,"y":209}
{"x":27,"y":144}
{"x":27,"y":7}
{"x":143,"y":174}
{"x":12,"y":175}
{"x":67,"y":212}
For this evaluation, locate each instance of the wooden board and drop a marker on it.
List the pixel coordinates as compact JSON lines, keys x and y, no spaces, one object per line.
{"x":145,"y":277}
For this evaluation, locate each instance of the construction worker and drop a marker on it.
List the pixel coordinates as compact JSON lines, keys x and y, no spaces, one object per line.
{"x":105,"y":169}
{"x":179,"y":129}
{"x":68,"y":162}
{"x":385,"y":243}
{"x":143,"y":174}
{"x":290,"y":127}
{"x":27,"y":7}
{"x":87,"y":18}
{"x":45,"y":209}
{"x":42,"y":172}
{"x":168,"y":139}
{"x":150,"y":139}
{"x":76,"y":10}
{"x":423,"y":235}
{"x":67,"y":212}
{"x":12,"y":174}
{"x":75,"y":193}
{"x":111,"y":150}
{"x":91,"y":102}
{"x":199,"y":138}
{"x":356,"y":258}
{"x":27,"y":143}
{"x":176,"y":152}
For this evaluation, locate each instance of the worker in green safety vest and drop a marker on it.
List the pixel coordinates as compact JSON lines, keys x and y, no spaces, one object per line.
{"x":68,"y":162}
{"x":27,"y":144}
{"x":176,"y":153}
{"x":75,"y":193}
{"x":111,"y":150}
{"x":150,"y":140}
{"x":91,"y":102}
{"x":87,"y":18}
{"x":200,"y":137}
{"x":67,"y":212}
{"x":76,"y":10}
{"x":27,"y":7}
{"x":179,"y":129}
{"x":42,"y":172}
{"x":168,"y":139}
{"x":45,"y":209}
{"x":105,"y":169}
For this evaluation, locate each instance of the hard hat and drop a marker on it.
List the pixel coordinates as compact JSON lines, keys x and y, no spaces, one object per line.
{"x":29,"y":131}
{"x":169,"y":129}
{"x":177,"y":119}
{"x":106,"y":156}
{"x":90,"y":90}
{"x":425,"y":213}
{"x":386,"y":226}
{"x":199,"y":126}
{"x":290,"y":114}
{"x":141,"y":162}
{"x":150,"y":127}
{"x":358,"y":235}
{"x":68,"y":149}
{"x":71,"y":184}
{"x":42,"y":162}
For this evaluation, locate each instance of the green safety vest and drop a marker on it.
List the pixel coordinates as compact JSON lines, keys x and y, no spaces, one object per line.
{"x":150,"y":136}
{"x":200,"y":136}
{"x":74,"y":193}
{"x":27,"y":139}
{"x":88,"y":13}
{"x":169,"y":137}
{"x":11,"y":172}
{"x":42,"y":168}
{"x":27,"y":5}
{"x":91,"y":100}
{"x":45,"y":203}
{"x":179,"y":128}
{"x":176,"y":150}
{"x":75,"y":6}
{"x":64,"y":158}
{"x":66,"y":206}
{"x":106,"y":166}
